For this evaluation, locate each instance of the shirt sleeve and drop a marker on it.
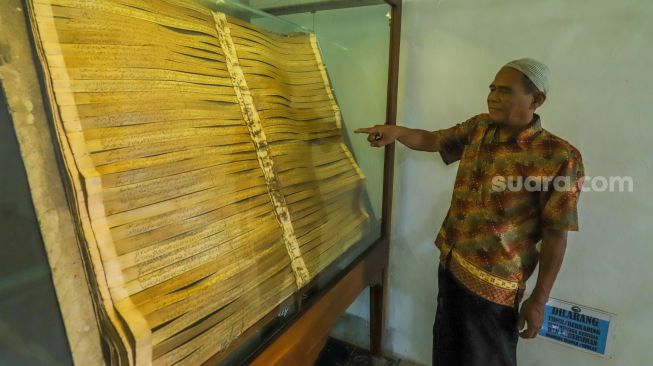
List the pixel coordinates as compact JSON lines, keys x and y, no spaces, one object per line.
{"x":454,"y":139}
{"x":560,"y":200}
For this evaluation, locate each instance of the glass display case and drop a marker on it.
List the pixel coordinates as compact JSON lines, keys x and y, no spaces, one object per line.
{"x":214,"y":182}
{"x":32,"y":328}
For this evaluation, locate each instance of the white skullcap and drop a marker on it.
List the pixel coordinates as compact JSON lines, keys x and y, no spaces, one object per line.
{"x":536,"y":71}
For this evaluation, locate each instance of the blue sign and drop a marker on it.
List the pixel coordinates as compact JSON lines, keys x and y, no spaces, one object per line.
{"x":577,"y":326}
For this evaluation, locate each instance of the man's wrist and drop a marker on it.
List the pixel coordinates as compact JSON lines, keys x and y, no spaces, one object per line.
{"x":539,"y":298}
{"x":400,"y":131}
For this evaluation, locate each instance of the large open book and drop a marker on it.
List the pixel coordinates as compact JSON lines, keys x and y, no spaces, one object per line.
{"x":205,"y":168}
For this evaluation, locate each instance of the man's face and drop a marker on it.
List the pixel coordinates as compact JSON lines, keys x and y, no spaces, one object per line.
{"x":508,"y":102}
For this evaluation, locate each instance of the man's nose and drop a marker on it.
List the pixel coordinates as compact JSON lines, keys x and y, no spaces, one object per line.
{"x":492,"y":97}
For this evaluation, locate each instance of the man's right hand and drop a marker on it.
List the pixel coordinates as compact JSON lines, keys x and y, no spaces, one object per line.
{"x":380,"y":135}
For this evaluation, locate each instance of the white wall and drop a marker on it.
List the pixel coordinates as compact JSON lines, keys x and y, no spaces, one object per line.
{"x":601,"y":59}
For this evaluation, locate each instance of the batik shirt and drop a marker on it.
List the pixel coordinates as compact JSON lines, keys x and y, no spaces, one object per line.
{"x":489,"y":238}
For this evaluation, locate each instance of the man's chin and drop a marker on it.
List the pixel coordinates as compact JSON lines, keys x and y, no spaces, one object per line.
{"x":496,"y":117}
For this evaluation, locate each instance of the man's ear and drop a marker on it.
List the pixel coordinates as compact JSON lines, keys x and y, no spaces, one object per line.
{"x":538,"y":100}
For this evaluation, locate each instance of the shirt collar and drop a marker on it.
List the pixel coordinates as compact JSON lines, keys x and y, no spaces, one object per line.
{"x":525,"y":136}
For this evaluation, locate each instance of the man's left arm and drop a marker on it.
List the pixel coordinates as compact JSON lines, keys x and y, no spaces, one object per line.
{"x":552,"y":251}
{"x":558,"y":216}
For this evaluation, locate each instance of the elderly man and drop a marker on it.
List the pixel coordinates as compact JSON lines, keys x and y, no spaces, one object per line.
{"x":488,"y":240}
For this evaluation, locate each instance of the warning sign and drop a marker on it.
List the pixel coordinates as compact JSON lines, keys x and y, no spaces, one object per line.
{"x":578,"y":326}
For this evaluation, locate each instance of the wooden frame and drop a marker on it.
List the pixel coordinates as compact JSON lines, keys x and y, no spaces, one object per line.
{"x":300,"y":340}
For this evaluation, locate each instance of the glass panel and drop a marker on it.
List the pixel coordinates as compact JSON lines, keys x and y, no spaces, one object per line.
{"x":211,"y":172}
{"x":31,"y":328}
{"x":354,"y":44}
{"x":297,"y":6}
{"x":240,"y":10}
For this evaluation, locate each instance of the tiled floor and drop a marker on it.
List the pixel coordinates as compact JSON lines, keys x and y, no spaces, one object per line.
{"x":407,"y":363}
{"x":339,"y":353}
